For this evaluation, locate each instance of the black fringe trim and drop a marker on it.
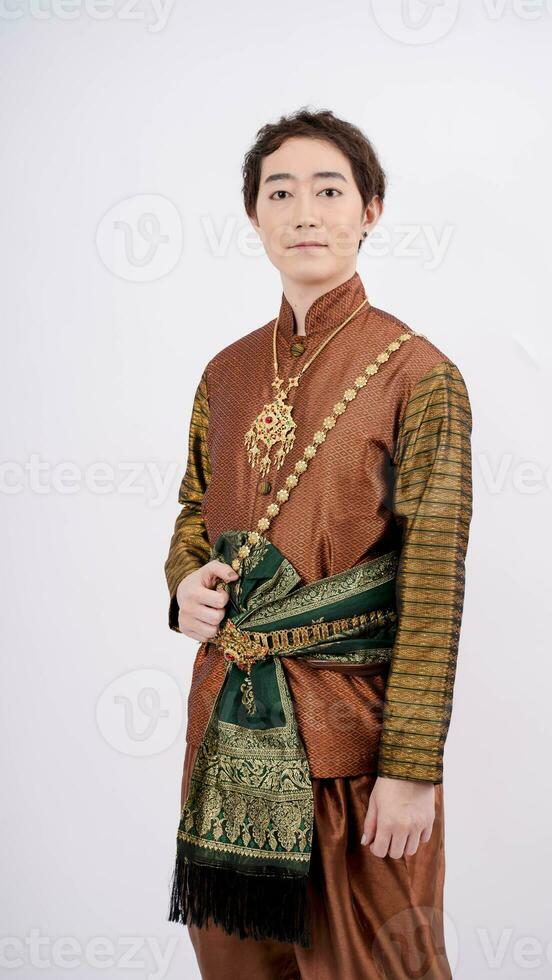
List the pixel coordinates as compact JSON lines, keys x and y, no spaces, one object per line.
{"x":254,"y":906}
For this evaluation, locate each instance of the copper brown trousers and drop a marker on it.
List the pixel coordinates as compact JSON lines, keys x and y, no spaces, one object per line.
{"x":373,"y":918}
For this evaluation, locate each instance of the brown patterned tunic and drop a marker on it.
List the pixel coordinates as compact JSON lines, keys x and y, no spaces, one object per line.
{"x":394,"y":473}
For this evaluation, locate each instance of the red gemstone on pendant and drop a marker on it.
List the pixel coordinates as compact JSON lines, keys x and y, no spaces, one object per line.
{"x":268,"y":418}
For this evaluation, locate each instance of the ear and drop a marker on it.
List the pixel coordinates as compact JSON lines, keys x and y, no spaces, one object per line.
{"x":373,"y":213}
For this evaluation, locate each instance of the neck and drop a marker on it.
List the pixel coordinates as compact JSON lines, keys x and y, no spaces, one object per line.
{"x":301,"y":295}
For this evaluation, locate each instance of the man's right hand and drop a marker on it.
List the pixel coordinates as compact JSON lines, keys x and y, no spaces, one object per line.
{"x":202,"y":606}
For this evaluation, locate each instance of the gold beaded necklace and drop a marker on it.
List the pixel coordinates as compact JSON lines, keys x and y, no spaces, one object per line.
{"x":274,"y":423}
{"x":318,"y":439}
{"x":253,"y":537}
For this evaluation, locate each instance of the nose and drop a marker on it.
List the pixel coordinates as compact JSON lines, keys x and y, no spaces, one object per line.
{"x":308,"y":223}
{"x":305,"y":213}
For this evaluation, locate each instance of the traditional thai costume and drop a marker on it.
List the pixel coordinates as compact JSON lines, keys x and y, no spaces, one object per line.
{"x":336,"y":658}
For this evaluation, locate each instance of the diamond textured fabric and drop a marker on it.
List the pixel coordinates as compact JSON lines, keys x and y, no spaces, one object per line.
{"x":394,"y":472}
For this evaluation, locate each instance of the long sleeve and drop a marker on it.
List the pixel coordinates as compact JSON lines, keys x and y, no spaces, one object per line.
{"x":432,"y":502}
{"x":189,"y":548}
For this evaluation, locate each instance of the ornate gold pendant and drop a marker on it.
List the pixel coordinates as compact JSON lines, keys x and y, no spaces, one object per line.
{"x":274,"y":426}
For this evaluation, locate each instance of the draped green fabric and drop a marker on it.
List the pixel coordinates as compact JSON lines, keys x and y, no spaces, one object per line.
{"x":245,"y":835}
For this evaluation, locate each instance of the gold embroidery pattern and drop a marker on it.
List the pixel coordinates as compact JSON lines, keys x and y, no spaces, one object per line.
{"x":346,"y":584}
{"x":248,"y":698}
{"x":375,"y":655}
{"x":250,"y":791}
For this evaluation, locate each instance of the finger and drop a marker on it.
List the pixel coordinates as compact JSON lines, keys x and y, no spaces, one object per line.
{"x":370,"y":824}
{"x":398,"y":842}
{"x":426,"y":834}
{"x":219,"y":569}
{"x":189,"y":627}
{"x":206,"y":615}
{"x":196,"y":629}
{"x":204,"y":596}
{"x":412,"y":842}
{"x":380,"y":845}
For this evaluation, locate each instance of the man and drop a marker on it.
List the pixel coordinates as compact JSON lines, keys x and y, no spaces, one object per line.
{"x":394,"y":478}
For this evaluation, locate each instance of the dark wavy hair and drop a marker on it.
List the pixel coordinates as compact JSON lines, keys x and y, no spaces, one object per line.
{"x":322,"y":124}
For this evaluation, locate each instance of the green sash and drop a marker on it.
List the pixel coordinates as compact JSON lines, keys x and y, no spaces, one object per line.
{"x":245,"y":834}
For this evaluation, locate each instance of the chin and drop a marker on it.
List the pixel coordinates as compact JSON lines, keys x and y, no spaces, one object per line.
{"x":310,"y":258}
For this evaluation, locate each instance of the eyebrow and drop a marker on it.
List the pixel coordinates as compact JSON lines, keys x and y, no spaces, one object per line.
{"x":319,"y":173}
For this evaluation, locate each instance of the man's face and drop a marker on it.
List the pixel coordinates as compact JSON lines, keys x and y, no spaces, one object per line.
{"x":303,"y":206}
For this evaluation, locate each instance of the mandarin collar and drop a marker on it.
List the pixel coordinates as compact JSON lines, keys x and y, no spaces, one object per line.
{"x":326,"y":312}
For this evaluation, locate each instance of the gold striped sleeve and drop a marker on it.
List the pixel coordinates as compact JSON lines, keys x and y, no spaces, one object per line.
{"x":189,"y":548}
{"x":432,"y":502}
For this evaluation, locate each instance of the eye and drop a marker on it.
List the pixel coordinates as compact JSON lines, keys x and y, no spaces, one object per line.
{"x":271,"y":198}
{"x":331,"y":189}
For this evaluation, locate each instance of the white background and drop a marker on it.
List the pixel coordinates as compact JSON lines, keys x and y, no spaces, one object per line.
{"x":106,"y":329}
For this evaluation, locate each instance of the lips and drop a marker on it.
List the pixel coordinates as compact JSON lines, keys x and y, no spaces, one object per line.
{"x":308,"y":245}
